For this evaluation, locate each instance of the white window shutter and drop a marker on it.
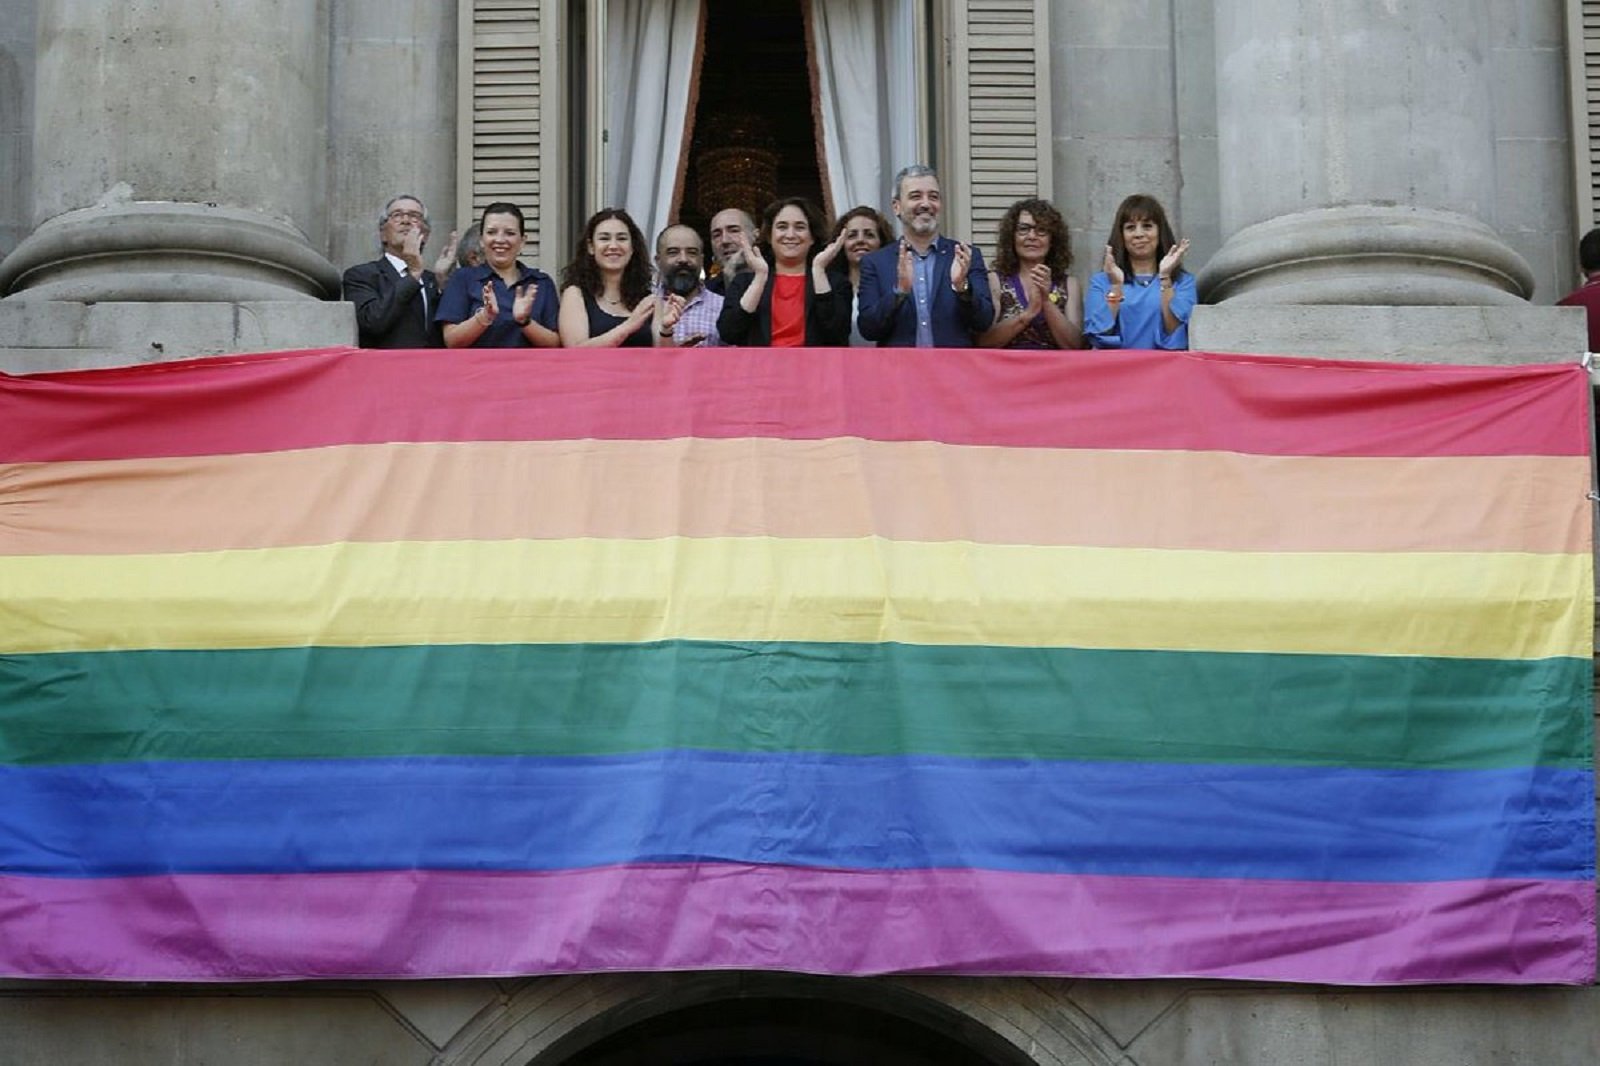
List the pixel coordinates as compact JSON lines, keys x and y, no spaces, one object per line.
{"x":1583,"y":77}
{"x":506,"y":140}
{"x":999,"y":106}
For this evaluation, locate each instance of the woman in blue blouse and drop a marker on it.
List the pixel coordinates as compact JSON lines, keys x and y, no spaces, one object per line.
{"x":1143,"y":297}
{"x":502,"y":302}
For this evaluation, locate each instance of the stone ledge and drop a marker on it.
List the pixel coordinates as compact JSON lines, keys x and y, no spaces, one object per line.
{"x":1497,"y":336}
{"x":38,"y":336}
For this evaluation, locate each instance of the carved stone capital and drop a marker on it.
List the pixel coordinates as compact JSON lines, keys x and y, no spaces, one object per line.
{"x":160,"y":251}
{"x":1367,"y":254}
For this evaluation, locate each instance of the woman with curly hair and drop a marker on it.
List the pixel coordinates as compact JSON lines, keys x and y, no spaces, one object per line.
{"x":796,"y":299}
{"x":1040,"y":305}
{"x":1143,"y":297}
{"x":606,"y":300}
{"x":864,"y":230}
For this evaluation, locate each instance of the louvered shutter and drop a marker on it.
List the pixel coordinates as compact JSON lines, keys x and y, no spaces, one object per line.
{"x":999,"y":104}
{"x":506,"y":146}
{"x":1583,"y":48}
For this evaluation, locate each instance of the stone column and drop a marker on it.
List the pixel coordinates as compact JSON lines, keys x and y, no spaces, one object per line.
{"x":179,"y":153}
{"x":1357,"y":156}
{"x":392,"y":114}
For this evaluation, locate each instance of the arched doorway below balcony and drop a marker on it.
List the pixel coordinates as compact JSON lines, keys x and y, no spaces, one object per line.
{"x":715,"y":1018}
{"x":785,"y":1031}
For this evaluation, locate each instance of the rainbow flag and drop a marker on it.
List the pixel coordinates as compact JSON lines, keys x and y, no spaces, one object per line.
{"x":354,"y":664}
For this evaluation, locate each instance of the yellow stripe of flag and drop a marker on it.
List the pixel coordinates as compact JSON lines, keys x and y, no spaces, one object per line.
{"x":1481,"y":605}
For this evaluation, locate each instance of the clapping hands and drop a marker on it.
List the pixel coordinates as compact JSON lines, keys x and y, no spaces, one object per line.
{"x":830,"y":251}
{"x":522,"y":302}
{"x":752,"y":256}
{"x":1170,"y":261}
{"x":959,"y":265}
{"x":1112,"y":268}
{"x":447,"y":258}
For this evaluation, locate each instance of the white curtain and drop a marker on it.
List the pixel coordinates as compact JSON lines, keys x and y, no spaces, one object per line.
{"x":866,"y":88}
{"x":650,"y":67}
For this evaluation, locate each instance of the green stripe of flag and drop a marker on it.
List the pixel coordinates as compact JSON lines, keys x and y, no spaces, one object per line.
{"x":853,"y":699}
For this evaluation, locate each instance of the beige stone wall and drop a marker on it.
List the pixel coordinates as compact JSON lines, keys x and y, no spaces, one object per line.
{"x":1134,"y":111}
{"x":16,"y":120}
{"x":1533,"y":208}
{"x":391,"y":119}
{"x":540,"y":1022}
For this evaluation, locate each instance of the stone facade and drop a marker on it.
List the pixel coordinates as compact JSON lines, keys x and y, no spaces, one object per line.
{"x":1006,"y":1021}
{"x":1377,"y":178}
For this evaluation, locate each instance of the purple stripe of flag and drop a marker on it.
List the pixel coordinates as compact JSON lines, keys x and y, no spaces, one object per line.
{"x":412,"y":923}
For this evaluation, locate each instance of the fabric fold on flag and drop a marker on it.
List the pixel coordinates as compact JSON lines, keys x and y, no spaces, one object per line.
{"x":340,"y":664}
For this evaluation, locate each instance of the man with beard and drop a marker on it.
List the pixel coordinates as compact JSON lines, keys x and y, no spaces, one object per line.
{"x":679,"y":258}
{"x":924,"y":290}
{"x":394,"y":296}
{"x":729,"y":227}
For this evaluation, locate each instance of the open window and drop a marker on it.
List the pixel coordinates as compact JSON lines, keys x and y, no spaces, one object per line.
{"x":569,"y":105}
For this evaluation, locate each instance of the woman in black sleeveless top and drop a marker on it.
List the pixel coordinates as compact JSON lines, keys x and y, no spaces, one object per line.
{"x":605,"y":290}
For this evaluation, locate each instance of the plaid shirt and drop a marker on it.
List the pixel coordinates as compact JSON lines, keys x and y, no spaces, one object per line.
{"x":700,"y":316}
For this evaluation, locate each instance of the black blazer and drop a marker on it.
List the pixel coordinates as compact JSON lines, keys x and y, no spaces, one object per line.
{"x":389,"y":309}
{"x":827,"y":315}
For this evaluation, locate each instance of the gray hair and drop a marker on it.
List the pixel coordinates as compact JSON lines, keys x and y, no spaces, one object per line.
{"x":471,"y":245}
{"x":915,"y":170}
{"x":749,"y":222}
{"x":384,"y":215}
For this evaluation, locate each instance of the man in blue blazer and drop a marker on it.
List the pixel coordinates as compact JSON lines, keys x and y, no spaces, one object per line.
{"x":924,"y":290}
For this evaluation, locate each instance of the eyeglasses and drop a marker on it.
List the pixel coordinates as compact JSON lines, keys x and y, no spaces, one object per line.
{"x":414,"y":216}
{"x":1026,"y":229}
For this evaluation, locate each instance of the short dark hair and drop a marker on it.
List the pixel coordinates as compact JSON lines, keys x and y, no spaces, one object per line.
{"x":662,"y":236}
{"x":502,"y":207}
{"x":1589,"y":251}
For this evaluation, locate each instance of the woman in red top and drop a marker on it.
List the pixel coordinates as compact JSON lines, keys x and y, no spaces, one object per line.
{"x":796,"y":299}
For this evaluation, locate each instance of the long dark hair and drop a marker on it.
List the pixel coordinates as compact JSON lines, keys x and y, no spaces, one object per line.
{"x":1140,"y":207}
{"x":1046,"y":217}
{"x":584,"y":271}
{"x":814,"y":221}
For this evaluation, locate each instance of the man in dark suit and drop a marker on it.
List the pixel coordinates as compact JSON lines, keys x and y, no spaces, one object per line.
{"x":924,"y":290}
{"x":394,"y":296}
